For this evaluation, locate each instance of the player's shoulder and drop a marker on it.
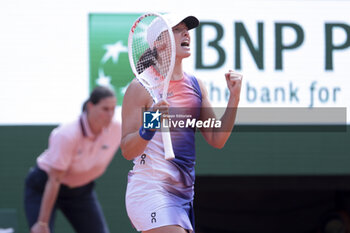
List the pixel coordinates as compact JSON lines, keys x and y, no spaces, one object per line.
{"x":191,"y":77}
{"x":196,"y":80}
{"x":135,"y":84}
{"x":136,"y":92}
{"x":134,"y":87}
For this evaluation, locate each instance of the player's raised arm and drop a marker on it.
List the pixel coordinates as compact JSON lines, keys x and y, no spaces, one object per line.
{"x":151,"y":49}
{"x":217,"y":137}
{"x":137,"y":99}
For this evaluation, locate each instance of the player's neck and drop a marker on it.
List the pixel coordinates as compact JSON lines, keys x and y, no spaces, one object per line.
{"x":177,"y":72}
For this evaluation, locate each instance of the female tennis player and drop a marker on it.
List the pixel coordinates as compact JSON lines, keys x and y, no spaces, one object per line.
{"x":160,"y":192}
{"x":78,"y":153}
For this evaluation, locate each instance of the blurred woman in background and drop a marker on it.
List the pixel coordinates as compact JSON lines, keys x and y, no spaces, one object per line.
{"x":78,"y":153}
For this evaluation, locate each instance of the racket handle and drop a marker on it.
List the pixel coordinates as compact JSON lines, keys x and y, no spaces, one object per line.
{"x":168,"y":146}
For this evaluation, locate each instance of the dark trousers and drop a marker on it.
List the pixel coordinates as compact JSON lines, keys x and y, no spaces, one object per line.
{"x":79,"y":205}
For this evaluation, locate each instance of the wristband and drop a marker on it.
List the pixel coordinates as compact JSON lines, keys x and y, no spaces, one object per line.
{"x":146,"y":133}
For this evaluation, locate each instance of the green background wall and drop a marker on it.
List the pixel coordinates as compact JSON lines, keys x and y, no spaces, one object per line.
{"x":251,"y":152}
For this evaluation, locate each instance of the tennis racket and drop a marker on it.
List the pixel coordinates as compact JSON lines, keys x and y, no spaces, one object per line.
{"x":151,"y":49}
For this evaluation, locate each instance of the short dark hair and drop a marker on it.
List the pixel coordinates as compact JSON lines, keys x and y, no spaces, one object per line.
{"x":97,"y":94}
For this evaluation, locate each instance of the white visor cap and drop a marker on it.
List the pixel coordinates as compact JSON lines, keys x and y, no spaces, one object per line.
{"x":158,"y":26}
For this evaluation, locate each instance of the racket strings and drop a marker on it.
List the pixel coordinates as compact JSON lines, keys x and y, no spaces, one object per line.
{"x":147,"y":59}
{"x":151,"y":52}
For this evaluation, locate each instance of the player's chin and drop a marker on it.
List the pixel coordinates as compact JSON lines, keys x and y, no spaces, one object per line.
{"x":184,"y":54}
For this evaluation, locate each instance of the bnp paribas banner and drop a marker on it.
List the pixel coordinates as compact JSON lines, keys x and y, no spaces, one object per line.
{"x":296,"y":55}
{"x":108,"y":42}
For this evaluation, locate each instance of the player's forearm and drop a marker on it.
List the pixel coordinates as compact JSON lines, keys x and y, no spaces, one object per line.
{"x":233,"y":101}
{"x":217,"y":137}
{"x":49,"y":198}
{"x":132,"y":145}
{"x":229,"y":117}
{"x":221,"y":135}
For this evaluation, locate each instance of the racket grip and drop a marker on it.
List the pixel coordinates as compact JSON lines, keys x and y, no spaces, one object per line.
{"x":168,"y":146}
